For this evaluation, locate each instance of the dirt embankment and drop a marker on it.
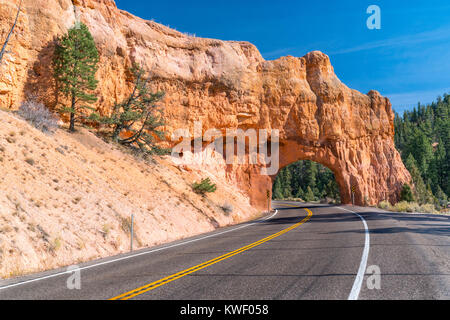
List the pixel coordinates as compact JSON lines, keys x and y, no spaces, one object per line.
{"x":67,"y":198}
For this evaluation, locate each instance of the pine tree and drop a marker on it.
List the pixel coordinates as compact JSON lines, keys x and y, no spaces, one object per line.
{"x":277,"y":193}
{"x":300,"y":193}
{"x":425,"y":134}
{"x":295,"y":178}
{"x":441,"y":197}
{"x":420,"y":147}
{"x":421,"y":190}
{"x":138,"y":115}
{"x":332,"y":189}
{"x":441,"y":163}
{"x":310,"y":173}
{"x":406,"y":194}
{"x":204,"y":186}
{"x":75,"y":64}
{"x":309,"y":195}
{"x":286,"y":183}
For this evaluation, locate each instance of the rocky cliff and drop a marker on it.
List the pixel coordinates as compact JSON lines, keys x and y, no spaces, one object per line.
{"x":224,"y":84}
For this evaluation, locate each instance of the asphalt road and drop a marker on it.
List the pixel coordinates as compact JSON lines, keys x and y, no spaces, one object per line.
{"x":301,"y":252}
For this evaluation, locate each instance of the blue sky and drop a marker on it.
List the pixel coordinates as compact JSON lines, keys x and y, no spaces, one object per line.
{"x":407,"y":60}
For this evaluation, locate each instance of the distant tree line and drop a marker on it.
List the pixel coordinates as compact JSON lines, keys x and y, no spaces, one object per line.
{"x":306,"y":180}
{"x":423,"y":138}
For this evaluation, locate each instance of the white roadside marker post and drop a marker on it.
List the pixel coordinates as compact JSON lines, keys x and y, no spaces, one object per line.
{"x":131,"y":238}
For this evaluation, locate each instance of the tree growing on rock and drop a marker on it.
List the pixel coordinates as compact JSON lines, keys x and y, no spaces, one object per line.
{"x":138,"y":116}
{"x":75,"y":64}
{"x":204,"y":186}
{"x":8,"y":37}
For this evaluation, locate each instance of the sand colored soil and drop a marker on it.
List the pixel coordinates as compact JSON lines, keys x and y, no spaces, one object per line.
{"x":67,"y":198}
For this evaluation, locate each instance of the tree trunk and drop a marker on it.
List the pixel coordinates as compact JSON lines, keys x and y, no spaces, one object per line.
{"x":2,"y":52}
{"x":72,"y":115}
{"x":116,"y":132}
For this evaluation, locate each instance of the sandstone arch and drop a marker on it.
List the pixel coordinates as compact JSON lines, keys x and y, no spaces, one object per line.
{"x":319,"y":119}
{"x":224,"y":84}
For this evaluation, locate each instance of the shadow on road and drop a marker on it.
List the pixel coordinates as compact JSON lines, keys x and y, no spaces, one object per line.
{"x":420,"y":224}
{"x":416,"y":223}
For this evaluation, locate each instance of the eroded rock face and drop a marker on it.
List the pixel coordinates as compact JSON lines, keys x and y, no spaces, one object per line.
{"x":224,"y":84}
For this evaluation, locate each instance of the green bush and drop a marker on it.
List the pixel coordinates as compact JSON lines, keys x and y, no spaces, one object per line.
{"x":205,"y":186}
{"x":406,"y":194}
{"x":227,"y":208}
{"x":427,"y":208}
{"x":404,"y":206}
{"x":401,"y":206}
{"x":413,"y":207}
{"x":385,"y":205}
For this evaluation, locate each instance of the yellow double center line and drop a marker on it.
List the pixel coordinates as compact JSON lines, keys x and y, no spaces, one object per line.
{"x":156,"y":284}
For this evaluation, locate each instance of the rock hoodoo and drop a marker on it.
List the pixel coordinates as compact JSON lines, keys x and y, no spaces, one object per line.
{"x":224,"y":84}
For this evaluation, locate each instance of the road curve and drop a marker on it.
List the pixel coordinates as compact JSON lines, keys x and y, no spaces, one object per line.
{"x":303,"y":252}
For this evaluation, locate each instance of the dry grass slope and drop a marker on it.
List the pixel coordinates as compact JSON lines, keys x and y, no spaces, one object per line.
{"x":67,"y":198}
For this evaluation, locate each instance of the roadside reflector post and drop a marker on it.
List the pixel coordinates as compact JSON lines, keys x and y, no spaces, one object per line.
{"x":353,"y":189}
{"x":132,"y":233}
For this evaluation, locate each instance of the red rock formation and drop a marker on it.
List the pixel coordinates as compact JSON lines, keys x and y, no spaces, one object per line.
{"x":225,"y":84}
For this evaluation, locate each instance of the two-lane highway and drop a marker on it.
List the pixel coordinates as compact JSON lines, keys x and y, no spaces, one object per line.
{"x":301,"y":252}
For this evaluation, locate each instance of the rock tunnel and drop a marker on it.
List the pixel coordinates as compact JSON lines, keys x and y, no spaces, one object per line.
{"x":225,"y":84}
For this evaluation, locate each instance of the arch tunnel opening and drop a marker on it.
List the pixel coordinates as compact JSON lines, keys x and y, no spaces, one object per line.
{"x":308,"y":181}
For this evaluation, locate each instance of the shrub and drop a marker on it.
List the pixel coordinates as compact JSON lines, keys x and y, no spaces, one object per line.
{"x":38,"y":115}
{"x":404,"y":206}
{"x":227,"y":208}
{"x":413,"y":207}
{"x":30,"y":161}
{"x":125,"y":224}
{"x":401,"y":206}
{"x":385,"y":205}
{"x":205,"y":186}
{"x":406,"y":194}
{"x":427,"y":208}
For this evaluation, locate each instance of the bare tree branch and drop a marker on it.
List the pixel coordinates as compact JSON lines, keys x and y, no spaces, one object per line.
{"x":10,"y":33}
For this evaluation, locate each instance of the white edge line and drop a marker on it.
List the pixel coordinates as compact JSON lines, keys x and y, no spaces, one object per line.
{"x":354,"y":294}
{"x":134,"y":255}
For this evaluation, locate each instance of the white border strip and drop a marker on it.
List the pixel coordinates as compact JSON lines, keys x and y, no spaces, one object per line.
{"x":354,"y":294}
{"x":135,"y":255}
